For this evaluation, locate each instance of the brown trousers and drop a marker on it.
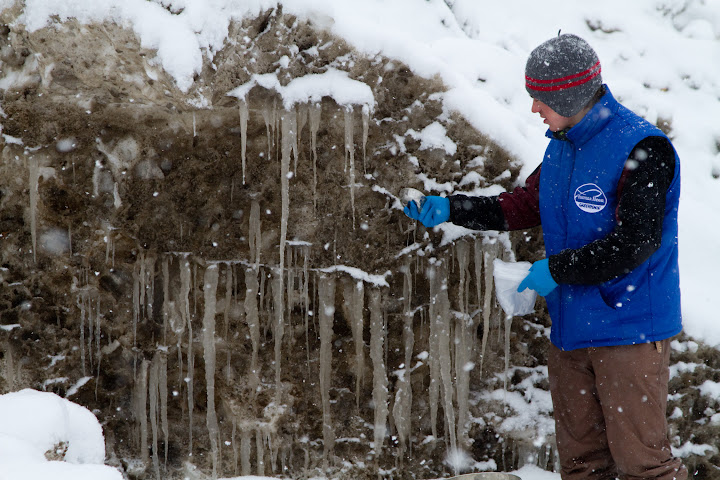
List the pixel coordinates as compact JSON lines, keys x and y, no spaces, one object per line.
{"x":610,"y":412}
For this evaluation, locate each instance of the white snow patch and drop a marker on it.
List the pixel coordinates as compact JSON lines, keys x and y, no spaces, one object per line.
{"x":33,"y":422}
{"x":434,"y":136}
{"x":312,"y":88}
{"x":377,"y":280}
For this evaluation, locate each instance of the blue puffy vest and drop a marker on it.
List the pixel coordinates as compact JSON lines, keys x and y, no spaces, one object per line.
{"x":578,"y":199}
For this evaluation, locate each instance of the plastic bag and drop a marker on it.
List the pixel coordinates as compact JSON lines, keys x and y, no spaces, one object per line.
{"x":508,"y":276}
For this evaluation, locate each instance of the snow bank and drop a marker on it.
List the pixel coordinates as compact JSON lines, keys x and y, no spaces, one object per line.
{"x":35,"y":425}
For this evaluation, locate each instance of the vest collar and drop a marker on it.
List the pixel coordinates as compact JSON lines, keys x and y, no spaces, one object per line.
{"x":593,"y":121}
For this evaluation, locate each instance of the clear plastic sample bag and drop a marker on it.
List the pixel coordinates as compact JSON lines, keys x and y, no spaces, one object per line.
{"x":508,"y":276}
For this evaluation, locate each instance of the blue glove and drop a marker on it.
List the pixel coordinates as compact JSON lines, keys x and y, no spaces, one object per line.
{"x":539,"y":278}
{"x":435,"y":211}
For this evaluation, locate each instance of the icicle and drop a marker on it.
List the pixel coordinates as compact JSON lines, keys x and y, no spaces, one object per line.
{"x":264,"y":312}
{"x":276,"y":127}
{"x":354,"y":302}
{"x":233,"y":442}
{"x":463,"y":343}
{"x":9,"y":374}
{"x":508,"y":324}
{"x":111,"y":244}
{"x":153,"y":389}
{"x":326,"y":314}
{"x":278,"y":329}
{"x":380,"y":381}
{"x":167,"y":306}
{"x":228,"y":301}
{"x":149,"y":283}
{"x":288,"y":138}
{"x":190,"y":391}
{"x":259,"y":451}
{"x":117,"y":201}
{"x":272,"y":447}
{"x":365,"y":127}
{"x":269,"y":116}
{"x":252,"y":318}
{"x":108,"y":245}
{"x":210,"y":289}
{"x":97,"y":339}
{"x":294,"y":138}
{"x":302,"y":120}
{"x":141,"y":389}
{"x":142,"y":284}
{"x":442,"y":319}
{"x":194,"y":288}
{"x":138,"y":293}
{"x":162,"y":374}
{"x":315,"y":111}
{"x":185,"y":282}
{"x":402,"y":410}
{"x":255,"y":236}
{"x":234,"y":296}
{"x":245,"y":437}
{"x":433,"y":354}
{"x":34,"y":171}
{"x":462,"y":254}
{"x":440,"y":359}
{"x":350,"y":156}
{"x":290,"y":291}
{"x":80,"y":302}
{"x":97,"y":174}
{"x":243,"y":133}
{"x":478,"y":261}
{"x":489,"y":255}
{"x":91,"y":322}
{"x":306,"y":301}
{"x":306,"y":455}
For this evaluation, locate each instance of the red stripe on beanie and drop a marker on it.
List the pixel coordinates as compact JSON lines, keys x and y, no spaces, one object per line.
{"x":591,"y":73}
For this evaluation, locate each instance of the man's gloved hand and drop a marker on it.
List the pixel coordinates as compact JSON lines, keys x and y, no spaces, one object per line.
{"x":539,"y":278}
{"x":435,"y":211}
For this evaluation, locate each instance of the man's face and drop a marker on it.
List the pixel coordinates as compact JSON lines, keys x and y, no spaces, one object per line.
{"x":553,"y":120}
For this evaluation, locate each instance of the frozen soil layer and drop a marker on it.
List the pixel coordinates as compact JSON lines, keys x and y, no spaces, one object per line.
{"x":339,"y":323}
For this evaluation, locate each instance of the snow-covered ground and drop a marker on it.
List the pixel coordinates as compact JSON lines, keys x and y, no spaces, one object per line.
{"x":659,"y":57}
{"x":33,"y":423}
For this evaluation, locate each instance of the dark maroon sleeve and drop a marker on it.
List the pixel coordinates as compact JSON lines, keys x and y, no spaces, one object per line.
{"x":507,"y":211}
{"x":521,"y":208}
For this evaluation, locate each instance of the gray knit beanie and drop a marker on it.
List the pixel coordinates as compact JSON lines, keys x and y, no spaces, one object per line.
{"x":563,"y":73}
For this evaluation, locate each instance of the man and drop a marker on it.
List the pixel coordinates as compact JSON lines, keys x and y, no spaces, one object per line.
{"x":606,"y":195}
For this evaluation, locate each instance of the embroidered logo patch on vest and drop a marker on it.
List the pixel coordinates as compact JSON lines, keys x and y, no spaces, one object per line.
{"x":590,"y":198}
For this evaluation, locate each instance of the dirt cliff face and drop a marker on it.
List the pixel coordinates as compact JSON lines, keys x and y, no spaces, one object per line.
{"x":272,"y":316}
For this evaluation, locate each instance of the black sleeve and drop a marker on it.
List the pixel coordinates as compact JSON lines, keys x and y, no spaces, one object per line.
{"x":476,"y":212}
{"x":649,"y":170}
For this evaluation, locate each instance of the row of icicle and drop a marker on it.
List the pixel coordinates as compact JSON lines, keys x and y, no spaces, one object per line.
{"x":450,"y":357}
